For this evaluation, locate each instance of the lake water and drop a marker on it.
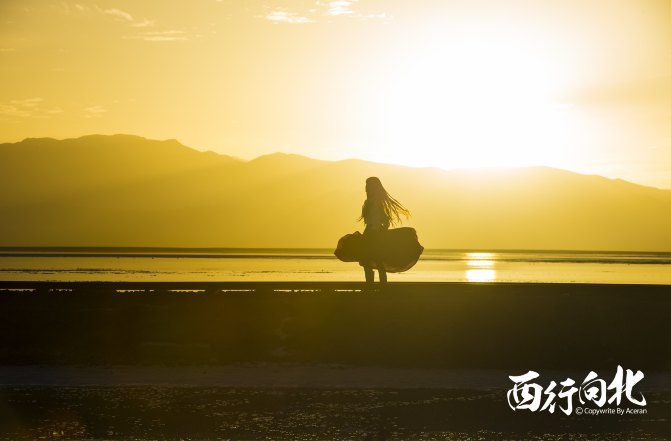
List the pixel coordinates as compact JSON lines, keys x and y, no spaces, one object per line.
{"x":321,"y":265}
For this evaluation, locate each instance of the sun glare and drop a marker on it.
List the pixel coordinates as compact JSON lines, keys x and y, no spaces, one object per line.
{"x":475,"y":99}
{"x":480,"y":267}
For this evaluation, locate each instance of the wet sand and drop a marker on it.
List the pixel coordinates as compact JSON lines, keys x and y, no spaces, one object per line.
{"x":196,"y":412}
{"x":321,"y":360}
{"x":419,"y":325}
{"x":282,"y":375}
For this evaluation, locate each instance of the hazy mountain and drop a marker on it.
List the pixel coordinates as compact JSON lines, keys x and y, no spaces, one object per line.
{"x":129,"y":191}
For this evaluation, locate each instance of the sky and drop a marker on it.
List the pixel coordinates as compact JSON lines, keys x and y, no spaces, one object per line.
{"x":582,"y":85}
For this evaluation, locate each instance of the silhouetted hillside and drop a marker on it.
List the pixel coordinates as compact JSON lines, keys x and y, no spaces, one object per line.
{"x":129,"y":191}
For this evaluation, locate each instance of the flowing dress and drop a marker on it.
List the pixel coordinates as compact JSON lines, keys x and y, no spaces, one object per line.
{"x":396,"y":249}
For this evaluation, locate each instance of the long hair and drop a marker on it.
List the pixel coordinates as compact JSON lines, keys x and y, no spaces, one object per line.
{"x":392,"y":208}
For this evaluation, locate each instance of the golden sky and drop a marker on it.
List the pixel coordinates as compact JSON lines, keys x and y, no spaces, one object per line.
{"x":582,"y":85}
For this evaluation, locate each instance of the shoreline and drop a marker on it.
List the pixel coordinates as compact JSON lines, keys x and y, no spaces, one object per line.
{"x":41,"y":286}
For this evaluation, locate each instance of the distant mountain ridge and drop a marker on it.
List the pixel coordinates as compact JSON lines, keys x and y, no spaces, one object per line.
{"x":126,"y":191}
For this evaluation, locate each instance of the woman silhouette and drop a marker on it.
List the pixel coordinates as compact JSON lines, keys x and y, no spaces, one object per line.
{"x":379,"y":211}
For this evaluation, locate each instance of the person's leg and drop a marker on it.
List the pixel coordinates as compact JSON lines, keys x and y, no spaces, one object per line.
{"x":366,"y":263}
{"x":370,"y":275}
{"x":382,"y":273}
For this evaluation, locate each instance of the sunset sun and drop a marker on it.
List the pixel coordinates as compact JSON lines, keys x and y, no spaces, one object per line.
{"x":474,"y":100}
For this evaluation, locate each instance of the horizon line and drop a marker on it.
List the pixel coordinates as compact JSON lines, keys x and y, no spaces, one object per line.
{"x":36,"y":248}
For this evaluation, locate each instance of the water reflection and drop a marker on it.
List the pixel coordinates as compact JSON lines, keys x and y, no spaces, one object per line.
{"x":479,"y":256}
{"x":480,"y":263}
{"x":480,"y":267}
{"x":480,"y":275}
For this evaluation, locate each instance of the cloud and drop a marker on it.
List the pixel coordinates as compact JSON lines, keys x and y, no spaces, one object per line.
{"x":13,"y":111}
{"x":144,"y":23}
{"x":94,"y":111}
{"x":314,"y":11}
{"x":123,"y":15}
{"x":379,"y":16}
{"x":286,"y":17}
{"x":170,"y":35}
{"x":28,"y":102}
{"x":140,"y":24}
{"x":340,"y":7}
{"x":27,"y":108}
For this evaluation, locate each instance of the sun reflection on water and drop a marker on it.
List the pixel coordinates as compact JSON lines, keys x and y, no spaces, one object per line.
{"x":480,"y":275}
{"x":480,"y":267}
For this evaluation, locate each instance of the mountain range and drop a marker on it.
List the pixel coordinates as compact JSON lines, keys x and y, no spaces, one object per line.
{"x":127,"y":191}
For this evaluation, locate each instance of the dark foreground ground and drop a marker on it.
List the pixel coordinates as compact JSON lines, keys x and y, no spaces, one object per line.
{"x":455,"y":325}
{"x":322,"y":361}
{"x":213,"y":413}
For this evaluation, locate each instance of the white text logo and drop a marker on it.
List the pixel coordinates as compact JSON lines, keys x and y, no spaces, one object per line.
{"x":592,"y":391}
